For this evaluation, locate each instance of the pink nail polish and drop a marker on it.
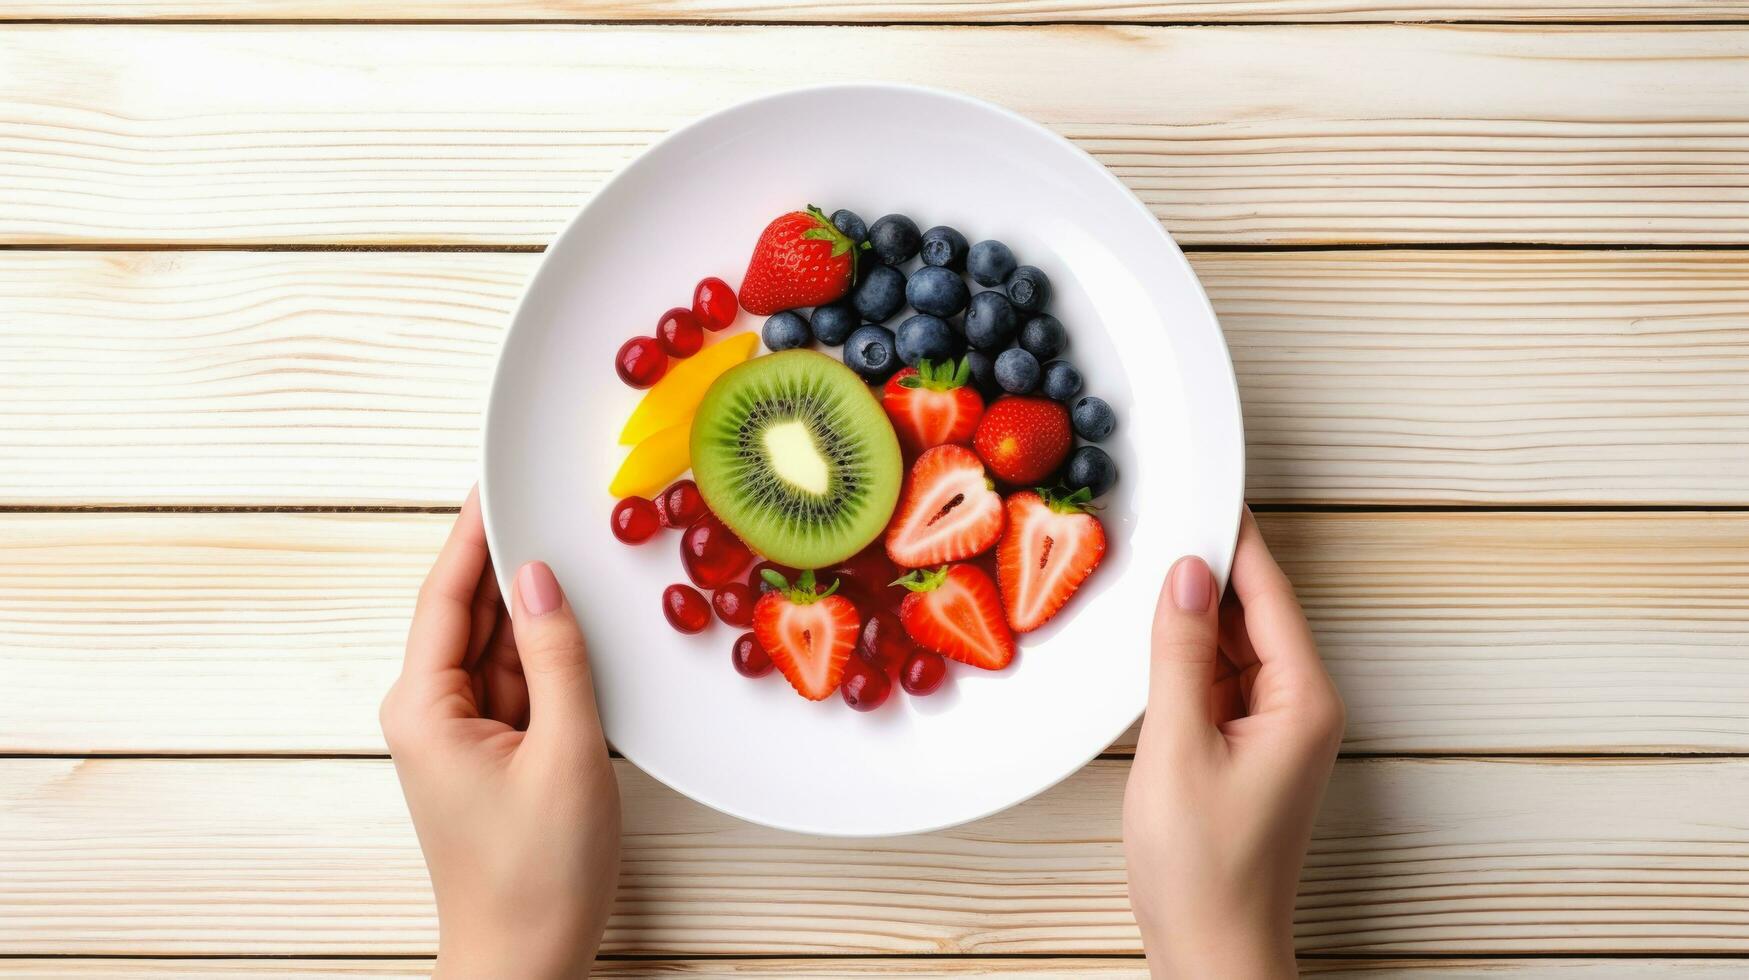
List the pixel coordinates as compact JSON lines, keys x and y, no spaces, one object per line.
{"x":537,"y":589}
{"x":1192,"y":585}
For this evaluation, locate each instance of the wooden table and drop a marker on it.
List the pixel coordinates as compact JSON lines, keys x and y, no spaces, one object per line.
{"x":1486,"y":284}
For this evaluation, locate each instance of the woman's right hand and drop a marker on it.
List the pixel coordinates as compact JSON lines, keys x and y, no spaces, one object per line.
{"x":1241,"y":733}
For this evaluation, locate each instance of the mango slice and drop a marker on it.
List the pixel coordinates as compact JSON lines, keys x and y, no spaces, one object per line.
{"x":654,"y":463}
{"x":672,"y":400}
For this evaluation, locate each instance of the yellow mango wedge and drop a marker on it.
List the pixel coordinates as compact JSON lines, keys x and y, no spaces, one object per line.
{"x":654,"y":463}
{"x":672,"y":400}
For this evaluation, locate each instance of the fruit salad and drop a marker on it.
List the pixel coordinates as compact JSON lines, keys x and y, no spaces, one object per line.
{"x":868,"y":501}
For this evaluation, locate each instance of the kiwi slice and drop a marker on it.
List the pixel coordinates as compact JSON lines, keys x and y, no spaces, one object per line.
{"x":794,"y":453}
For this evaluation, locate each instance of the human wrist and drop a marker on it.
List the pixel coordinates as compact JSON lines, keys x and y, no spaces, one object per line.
{"x":1225,"y":949}
{"x":528,"y":954}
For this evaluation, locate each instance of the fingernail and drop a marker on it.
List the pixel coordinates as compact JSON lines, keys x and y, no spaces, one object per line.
{"x":1192,"y":585}
{"x":537,"y":589}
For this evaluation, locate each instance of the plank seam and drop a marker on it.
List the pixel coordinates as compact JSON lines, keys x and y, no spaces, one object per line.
{"x":871,"y":24}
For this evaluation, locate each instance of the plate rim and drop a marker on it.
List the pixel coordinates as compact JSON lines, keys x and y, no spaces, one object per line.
{"x":506,"y":576}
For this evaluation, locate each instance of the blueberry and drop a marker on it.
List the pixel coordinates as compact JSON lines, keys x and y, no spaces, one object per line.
{"x":924,"y":336}
{"x":991,"y":321}
{"x":944,"y":247}
{"x":937,"y":291}
{"x":1016,"y":371}
{"x":1092,"y":417}
{"x":1061,"y":381}
{"x":895,"y":239}
{"x":983,"y":368}
{"x":785,"y":330}
{"x":831,"y":324}
{"x":850,"y":223}
{"x":1044,"y":336}
{"x":989,"y":263}
{"x":1028,"y":289}
{"x":880,"y":293}
{"x":870,"y":352}
{"x":1090,"y":467}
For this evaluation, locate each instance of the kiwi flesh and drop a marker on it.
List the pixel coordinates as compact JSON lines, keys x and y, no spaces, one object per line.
{"x":794,"y":453}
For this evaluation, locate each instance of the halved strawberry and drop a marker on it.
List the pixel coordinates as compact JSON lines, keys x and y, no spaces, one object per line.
{"x":947,"y":511}
{"x":1052,"y":544}
{"x":955,"y":611}
{"x":930,"y":405}
{"x":809,"y":635}
{"x":801,"y":259}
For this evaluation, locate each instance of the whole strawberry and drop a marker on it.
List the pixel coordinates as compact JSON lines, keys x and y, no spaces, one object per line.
{"x":1023,"y":440}
{"x":801,"y":259}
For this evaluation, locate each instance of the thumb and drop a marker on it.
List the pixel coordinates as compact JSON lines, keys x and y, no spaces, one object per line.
{"x":1182,"y":670}
{"x":555,"y":661}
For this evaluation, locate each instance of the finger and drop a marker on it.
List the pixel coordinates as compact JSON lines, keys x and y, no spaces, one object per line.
{"x":1226,"y":701}
{"x":1274,"y":626}
{"x":438,"y":638}
{"x":506,"y":688}
{"x":1235,"y":638}
{"x":555,"y":662}
{"x":1182,"y":670}
{"x":487,"y":612}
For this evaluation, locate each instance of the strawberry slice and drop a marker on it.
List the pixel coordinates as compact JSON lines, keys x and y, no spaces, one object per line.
{"x":956,"y":612}
{"x":809,"y":635}
{"x":947,"y":511}
{"x":1052,"y":544}
{"x":930,"y":405}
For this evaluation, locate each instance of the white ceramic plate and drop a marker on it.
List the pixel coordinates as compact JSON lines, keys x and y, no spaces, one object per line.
{"x":1141,"y":331}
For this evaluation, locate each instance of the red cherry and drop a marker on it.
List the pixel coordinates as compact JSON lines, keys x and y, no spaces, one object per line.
{"x":641,"y":362}
{"x":733,"y":602}
{"x":635,"y":520}
{"x":685,"y":608}
{"x":756,"y":578}
{"x":864,"y":689}
{"x":922,"y":673}
{"x":679,"y":333}
{"x":751,"y":660}
{"x":713,"y":303}
{"x":884,"y":644}
{"x":680,"y":504}
{"x":711,"y":553}
{"x":867,"y":576}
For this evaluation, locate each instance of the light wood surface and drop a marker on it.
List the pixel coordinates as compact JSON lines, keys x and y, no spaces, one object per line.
{"x":959,"y":968}
{"x":335,"y":378}
{"x":1488,"y":632}
{"x":139,"y":370}
{"x":1412,"y":856}
{"x":494,"y":134}
{"x":874,"y":11}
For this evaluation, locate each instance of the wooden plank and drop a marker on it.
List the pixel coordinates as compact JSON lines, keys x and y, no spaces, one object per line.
{"x":1367,"y":377}
{"x":959,"y":968}
{"x":494,"y":134}
{"x":1475,"y":633}
{"x":1411,"y":856}
{"x":872,"y":11}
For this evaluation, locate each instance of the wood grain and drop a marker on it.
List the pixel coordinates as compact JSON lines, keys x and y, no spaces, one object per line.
{"x":282,"y":378}
{"x":873,"y":11}
{"x":494,"y":134}
{"x":959,"y":968}
{"x":1474,"y":633}
{"x":1412,"y":856}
